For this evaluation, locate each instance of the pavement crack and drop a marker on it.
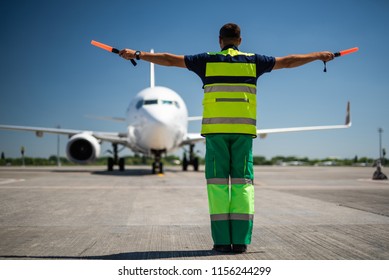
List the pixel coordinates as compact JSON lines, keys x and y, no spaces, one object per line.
{"x":87,"y":248}
{"x":364,"y":210}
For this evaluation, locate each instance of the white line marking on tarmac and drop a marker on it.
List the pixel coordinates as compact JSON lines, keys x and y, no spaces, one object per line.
{"x":374,"y":181}
{"x":10,"y":181}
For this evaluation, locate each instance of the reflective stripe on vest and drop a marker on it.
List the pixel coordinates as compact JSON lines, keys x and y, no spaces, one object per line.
{"x":230,"y":88}
{"x":224,"y":120}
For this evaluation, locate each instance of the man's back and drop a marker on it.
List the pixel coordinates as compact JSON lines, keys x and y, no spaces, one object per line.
{"x":229,"y":81}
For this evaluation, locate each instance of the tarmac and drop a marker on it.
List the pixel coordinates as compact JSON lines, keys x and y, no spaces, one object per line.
{"x":302,"y":213}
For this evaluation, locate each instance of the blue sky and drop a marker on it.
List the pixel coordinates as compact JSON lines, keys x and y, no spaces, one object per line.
{"x":51,"y":75}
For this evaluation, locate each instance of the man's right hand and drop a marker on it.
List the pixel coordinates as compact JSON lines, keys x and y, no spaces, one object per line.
{"x":127,"y":54}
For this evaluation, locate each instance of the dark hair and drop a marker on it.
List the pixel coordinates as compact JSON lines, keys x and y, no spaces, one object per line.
{"x":230,"y":31}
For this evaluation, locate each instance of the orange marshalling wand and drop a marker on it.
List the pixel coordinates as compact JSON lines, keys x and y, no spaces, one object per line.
{"x":108,"y":48}
{"x":341,"y":53}
{"x":344,"y":52}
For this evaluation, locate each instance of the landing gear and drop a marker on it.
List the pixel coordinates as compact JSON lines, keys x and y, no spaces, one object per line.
{"x":157,"y":166}
{"x":121,"y":164}
{"x":193,"y":160}
{"x":110,"y":165}
{"x":115,"y":160}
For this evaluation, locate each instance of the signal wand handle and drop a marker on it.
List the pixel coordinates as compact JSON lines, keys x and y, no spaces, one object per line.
{"x":117,"y":52}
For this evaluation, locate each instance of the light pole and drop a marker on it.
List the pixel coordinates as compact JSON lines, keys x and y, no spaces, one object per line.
{"x":380,"y":130}
{"x":22,"y":151}
{"x":58,"y":143}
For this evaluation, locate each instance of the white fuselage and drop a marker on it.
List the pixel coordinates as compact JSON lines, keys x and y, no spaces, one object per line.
{"x":157,"y":120}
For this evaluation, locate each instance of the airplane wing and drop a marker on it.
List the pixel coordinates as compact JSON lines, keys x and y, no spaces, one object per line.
{"x":192,"y":138}
{"x":113,"y":137}
{"x":104,"y":118}
{"x":195,"y":118}
{"x":262,"y":133}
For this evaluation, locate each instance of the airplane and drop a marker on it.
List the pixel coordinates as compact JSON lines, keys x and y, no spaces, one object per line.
{"x":157,"y":123}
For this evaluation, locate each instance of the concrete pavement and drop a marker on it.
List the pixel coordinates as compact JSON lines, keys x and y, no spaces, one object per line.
{"x":88,"y":213}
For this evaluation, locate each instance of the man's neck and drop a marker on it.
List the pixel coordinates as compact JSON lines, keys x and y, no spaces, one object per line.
{"x":230,"y":46}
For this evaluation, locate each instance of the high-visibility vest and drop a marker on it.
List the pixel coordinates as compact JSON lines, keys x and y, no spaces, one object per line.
{"x":229,"y":104}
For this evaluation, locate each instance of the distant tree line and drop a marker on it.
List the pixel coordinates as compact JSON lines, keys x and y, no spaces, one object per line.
{"x":297,"y":161}
{"x":174,"y":160}
{"x":52,"y":160}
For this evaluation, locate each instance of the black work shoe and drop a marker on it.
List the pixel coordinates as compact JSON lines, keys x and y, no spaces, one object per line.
{"x":239,"y":248}
{"x":222,"y":248}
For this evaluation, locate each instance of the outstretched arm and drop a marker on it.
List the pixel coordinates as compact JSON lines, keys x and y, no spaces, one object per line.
{"x":296,"y":60}
{"x":165,"y":59}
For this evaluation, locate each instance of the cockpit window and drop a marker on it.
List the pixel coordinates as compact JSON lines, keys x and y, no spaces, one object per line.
{"x":170,"y":102}
{"x":150,"y":102}
{"x":141,"y":103}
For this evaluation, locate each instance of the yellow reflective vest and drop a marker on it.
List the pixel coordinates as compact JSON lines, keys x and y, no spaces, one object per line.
{"x":229,"y":104}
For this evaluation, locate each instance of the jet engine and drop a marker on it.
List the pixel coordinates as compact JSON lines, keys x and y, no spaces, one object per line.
{"x":83,"y":148}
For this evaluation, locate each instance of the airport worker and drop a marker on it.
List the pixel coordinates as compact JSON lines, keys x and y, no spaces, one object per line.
{"x":229,"y":125}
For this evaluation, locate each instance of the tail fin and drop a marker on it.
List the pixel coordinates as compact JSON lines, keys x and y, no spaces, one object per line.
{"x":348,"y":115}
{"x":152,"y":76}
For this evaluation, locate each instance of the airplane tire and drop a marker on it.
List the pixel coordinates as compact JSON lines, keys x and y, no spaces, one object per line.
{"x":154,"y":168}
{"x":122,"y":164}
{"x":161,"y":168}
{"x":110,"y":164}
{"x":196,"y":164}
{"x":185,"y":164}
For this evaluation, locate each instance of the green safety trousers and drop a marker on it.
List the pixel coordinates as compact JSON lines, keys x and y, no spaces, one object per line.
{"x":229,"y":174}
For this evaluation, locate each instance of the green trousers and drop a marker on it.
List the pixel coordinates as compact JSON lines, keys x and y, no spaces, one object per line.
{"x":229,"y":174}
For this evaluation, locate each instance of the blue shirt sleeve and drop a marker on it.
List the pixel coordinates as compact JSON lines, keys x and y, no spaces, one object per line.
{"x":197,"y":63}
{"x":264,"y":64}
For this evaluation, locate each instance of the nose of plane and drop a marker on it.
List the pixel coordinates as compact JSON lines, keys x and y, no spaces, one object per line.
{"x":160,"y":130}
{"x":159,"y":115}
